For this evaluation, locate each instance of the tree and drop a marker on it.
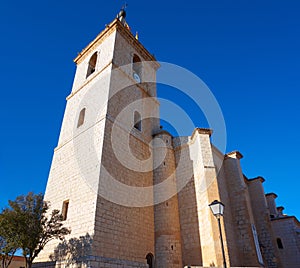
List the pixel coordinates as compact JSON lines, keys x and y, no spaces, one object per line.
{"x":8,"y":245}
{"x":7,"y":251}
{"x":31,"y":225}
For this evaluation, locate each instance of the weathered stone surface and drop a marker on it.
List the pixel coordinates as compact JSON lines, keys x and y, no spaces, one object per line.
{"x":97,"y":159}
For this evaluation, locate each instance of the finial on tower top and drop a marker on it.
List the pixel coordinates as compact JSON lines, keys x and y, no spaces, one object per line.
{"x":122,"y":14}
{"x":124,"y":6}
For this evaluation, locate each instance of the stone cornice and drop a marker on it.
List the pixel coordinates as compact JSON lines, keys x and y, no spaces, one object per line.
{"x":206,"y":131}
{"x":261,"y":179}
{"x":192,"y":139}
{"x":280,"y":209}
{"x":234,"y":154}
{"x":116,"y":25}
{"x":162,"y":132}
{"x":77,"y":134}
{"x":97,"y":41}
{"x":272,"y":194}
{"x":287,"y":218}
{"x":88,"y":80}
{"x":146,"y":55}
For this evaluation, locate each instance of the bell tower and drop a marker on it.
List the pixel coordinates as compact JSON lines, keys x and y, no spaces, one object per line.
{"x":104,"y":156}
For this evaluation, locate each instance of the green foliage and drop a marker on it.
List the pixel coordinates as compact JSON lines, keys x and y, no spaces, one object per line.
{"x":7,"y":249}
{"x":30,"y":226}
{"x":8,"y":241}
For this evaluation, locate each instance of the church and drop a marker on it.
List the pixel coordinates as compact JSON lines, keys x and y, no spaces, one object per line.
{"x":135,"y":196}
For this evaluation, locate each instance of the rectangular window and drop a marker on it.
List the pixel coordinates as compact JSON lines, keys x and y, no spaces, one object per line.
{"x":65,"y":209}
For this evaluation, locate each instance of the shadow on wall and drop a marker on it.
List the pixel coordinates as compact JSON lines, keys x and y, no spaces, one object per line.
{"x":73,"y":251}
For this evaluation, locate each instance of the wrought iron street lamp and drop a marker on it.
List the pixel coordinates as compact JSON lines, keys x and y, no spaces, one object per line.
{"x":217,"y":208}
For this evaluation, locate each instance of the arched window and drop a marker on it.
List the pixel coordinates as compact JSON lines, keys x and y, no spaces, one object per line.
{"x":137,"y":68}
{"x":279,"y":243}
{"x":150,"y":260}
{"x":81,"y":118}
{"x":92,"y":65}
{"x":137,"y":121}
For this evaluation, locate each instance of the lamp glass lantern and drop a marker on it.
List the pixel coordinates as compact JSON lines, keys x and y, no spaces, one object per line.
{"x":217,"y":208}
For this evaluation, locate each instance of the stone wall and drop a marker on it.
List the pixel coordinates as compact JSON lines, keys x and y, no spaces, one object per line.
{"x":187,"y":203}
{"x":262,"y":222}
{"x":168,"y":253}
{"x":287,"y":229}
{"x":111,"y":173}
{"x":240,"y":206}
{"x":85,"y":157}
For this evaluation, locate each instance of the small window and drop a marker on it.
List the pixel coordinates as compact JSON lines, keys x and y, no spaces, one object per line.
{"x":81,"y":117}
{"x":137,"y":68}
{"x":65,"y":209}
{"x":92,"y":65}
{"x":279,"y":243}
{"x":150,"y":260}
{"x":137,"y":121}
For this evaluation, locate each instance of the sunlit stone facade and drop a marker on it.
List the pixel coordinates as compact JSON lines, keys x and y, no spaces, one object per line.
{"x":111,"y":138}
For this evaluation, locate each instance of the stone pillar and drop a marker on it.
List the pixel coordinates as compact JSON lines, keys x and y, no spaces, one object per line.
{"x":207,"y":190}
{"x":280,"y":211}
{"x":188,"y":212}
{"x":272,"y":204}
{"x":166,"y":213}
{"x":262,"y":222}
{"x":241,"y":211}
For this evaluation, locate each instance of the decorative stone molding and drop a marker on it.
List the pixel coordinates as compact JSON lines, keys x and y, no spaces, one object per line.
{"x":89,"y":80}
{"x":261,"y":179}
{"x":234,"y":154}
{"x":272,"y":195}
{"x":207,"y":131}
{"x":162,"y":132}
{"x":113,"y":26}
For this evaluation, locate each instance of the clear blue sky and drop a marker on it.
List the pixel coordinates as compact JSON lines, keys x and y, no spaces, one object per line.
{"x":248,"y":53}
